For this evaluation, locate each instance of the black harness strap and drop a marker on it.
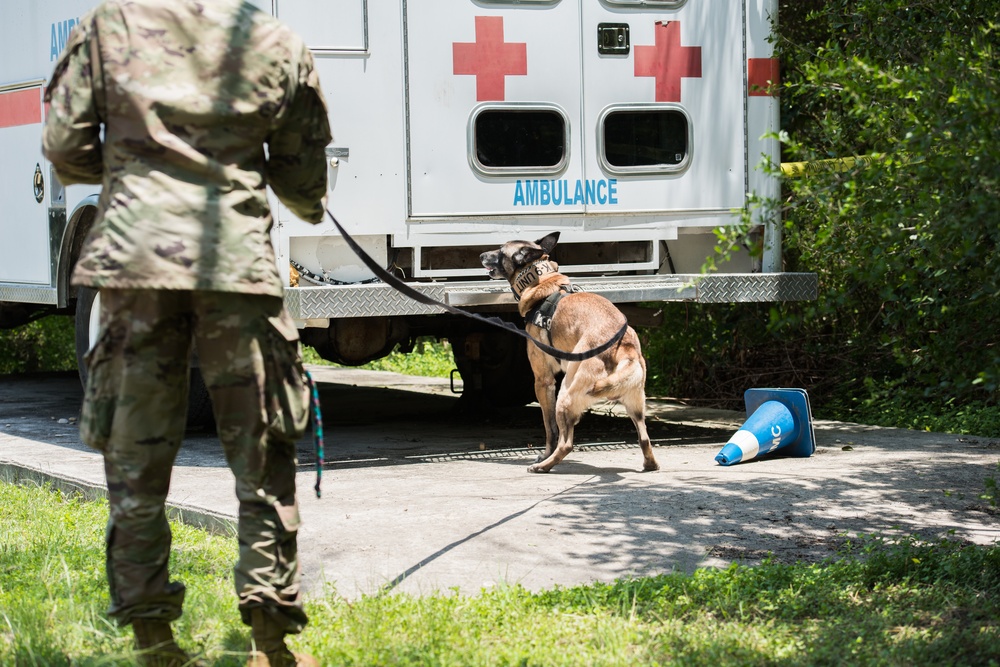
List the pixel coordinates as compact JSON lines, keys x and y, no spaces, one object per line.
{"x":400,"y":286}
{"x":542,"y":313}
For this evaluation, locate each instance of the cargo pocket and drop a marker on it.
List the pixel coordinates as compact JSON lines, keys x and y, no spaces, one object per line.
{"x":100,"y":395}
{"x":285,"y":383}
{"x":288,"y":514}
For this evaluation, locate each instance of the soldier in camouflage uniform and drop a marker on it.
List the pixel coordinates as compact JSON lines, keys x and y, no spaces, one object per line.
{"x":188,"y":94}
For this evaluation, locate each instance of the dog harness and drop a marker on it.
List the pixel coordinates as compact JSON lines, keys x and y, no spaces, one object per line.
{"x":542,"y":313}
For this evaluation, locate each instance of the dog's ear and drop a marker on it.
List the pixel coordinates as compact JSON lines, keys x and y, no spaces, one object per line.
{"x":526,"y":255}
{"x":548,"y":242}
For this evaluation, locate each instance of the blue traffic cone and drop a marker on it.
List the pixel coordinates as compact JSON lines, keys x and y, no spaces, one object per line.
{"x":776,"y":419}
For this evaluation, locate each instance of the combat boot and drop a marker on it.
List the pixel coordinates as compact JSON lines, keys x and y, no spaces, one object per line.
{"x":269,"y":648}
{"x":156,"y":644}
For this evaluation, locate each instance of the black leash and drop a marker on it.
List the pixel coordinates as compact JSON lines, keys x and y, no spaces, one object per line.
{"x":400,"y":286}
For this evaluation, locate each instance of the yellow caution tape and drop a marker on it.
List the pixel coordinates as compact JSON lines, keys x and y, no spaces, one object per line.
{"x":796,"y":169}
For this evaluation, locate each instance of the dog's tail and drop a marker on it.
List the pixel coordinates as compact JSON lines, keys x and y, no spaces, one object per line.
{"x":622,"y":380}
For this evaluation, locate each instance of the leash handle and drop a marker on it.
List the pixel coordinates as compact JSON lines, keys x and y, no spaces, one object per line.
{"x":400,"y":286}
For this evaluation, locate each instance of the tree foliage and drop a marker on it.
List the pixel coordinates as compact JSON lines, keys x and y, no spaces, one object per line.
{"x":905,"y":246}
{"x":46,"y":344}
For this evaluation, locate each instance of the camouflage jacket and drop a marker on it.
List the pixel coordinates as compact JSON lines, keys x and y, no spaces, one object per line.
{"x":187,"y":94}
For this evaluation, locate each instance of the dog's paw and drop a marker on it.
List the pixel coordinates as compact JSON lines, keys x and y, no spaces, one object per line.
{"x":539,"y":458}
{"x":536,"y":468}
{"x":651,"y":467}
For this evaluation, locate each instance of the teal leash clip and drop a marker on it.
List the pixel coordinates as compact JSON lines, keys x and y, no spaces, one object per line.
{"x":317,"y":418}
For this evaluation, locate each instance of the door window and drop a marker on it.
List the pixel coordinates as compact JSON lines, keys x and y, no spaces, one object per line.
{"x":519,"y":139}
{"x":644,"y":139}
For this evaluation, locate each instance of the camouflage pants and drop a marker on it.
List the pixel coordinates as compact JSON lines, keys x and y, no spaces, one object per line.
{"x":134,"y":412}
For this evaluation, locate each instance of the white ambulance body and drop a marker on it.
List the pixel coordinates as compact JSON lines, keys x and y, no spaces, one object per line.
{"x":633,"y":127}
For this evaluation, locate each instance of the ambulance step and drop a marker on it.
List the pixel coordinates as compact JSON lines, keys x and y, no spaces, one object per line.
{"x":374,"y":300}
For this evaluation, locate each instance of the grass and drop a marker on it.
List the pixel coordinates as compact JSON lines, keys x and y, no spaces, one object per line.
{"x":973,"y":418}
{"x":878,"y":603}
{"x":430,"y":358}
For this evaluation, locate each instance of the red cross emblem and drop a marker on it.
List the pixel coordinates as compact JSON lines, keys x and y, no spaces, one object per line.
{"x":668,"y":61}
{"x":489,"y":58}
{"x":763,"y":77}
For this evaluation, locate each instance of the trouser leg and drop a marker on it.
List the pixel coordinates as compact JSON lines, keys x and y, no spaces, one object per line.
{"x":248,"y":351}
{"x":134,"y":411}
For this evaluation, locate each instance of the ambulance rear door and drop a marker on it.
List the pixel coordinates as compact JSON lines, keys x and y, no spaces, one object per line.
{"x":494,"y":107}
{"x":663,"y":104}
{"x":567,"y":107}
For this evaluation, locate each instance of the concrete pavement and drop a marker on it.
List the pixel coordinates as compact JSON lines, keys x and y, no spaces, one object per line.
{"x":420,"y":498}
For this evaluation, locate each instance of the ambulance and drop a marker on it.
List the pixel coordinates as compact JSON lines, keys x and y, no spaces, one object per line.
{"x":635,"y":128}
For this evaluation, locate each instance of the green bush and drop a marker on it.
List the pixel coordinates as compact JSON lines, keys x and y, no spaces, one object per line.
{"x":43,"y":345}
{"x":905,"y":248}
{"x":429,"y":358}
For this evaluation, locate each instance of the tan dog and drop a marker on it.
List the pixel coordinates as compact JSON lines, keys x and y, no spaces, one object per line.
{"x":580,"y":321}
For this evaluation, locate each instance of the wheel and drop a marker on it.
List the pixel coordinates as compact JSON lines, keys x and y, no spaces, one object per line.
{"x":88,"y":324}
{"x":88,"y":328}
{"x":494,"y":368}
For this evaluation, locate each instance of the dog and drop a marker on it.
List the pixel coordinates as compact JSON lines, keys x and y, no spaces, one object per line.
{"x":579,"y":322}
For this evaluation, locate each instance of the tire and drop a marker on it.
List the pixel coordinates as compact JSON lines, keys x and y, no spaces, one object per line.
{"x":87,"y":326}
{"x":500,"y":375}
{"x":88,"y":304}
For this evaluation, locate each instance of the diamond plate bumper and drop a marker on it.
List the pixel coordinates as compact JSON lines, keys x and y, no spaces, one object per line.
{"x":28,"y":294}
{"x":378,"y":299}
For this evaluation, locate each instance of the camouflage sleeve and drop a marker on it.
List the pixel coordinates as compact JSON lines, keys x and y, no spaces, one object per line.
{"x":296,"y":165}
{"x":71,"y":139}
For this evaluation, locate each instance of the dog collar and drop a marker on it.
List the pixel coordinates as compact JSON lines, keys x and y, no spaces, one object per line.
{"x":530,"y":275}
